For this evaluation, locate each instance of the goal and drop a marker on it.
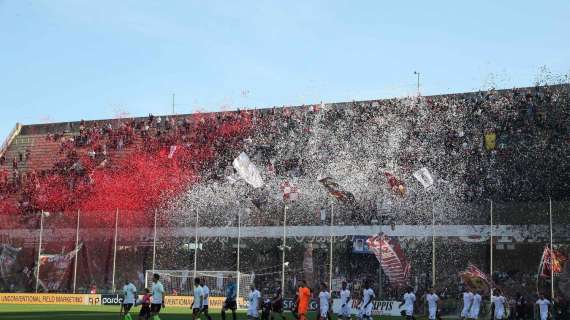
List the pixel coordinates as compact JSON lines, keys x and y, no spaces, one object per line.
{"x":180,"y":282}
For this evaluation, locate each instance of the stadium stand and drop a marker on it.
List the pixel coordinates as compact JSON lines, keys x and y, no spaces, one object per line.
{"x":511,"y":146}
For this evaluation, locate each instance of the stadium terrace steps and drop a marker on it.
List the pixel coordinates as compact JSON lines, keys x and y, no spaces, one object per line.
{"x":44,"y":153}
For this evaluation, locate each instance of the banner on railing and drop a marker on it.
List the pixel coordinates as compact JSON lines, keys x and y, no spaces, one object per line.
{"x":49,"y":298}
{"x":54,"y":267}
{"x":186,"y":301}
{"x":379,"y":308}
{"x":382,"y":308}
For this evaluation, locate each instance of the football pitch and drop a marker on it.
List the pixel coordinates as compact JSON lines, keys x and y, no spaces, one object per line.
{"x":62,"y":312}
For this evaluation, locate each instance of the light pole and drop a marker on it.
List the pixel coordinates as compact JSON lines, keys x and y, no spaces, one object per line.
{"x":76,"y":252}
{"x":418,"y":83}
{"x":196,"y":245}
{"x":331,"y":248}
{"x":491,"y":248}
{"x":238,"y":249}
{"x":154,"y":245}
{"x":115,"y":248}
{"x":433,"y":245}
{"x":42,"y":214}
{"x":551,"y":251}
{"x":283,"y":247}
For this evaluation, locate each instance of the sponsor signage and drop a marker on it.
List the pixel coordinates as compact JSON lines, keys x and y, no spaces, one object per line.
{"x":100,"y":299}
{"x":379,"y":308}
{"x":186,"y":301}
{"x":382,"y":308}
{"x":179,"y":301}
{"x":289,"y":304}
{"x":48,"y":298}
{"x":111,"y":299}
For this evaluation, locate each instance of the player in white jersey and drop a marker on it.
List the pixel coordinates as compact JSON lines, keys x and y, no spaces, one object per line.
{"x":467,"y":301}
{"x":408,"y":303}
{"x":475,"y":306}
{"x":498,"y":301}
{"x":345,"y":306}
{"x":543,"y":305}
{"x":157,"y":296}
{"x":432,"y":300}
{"x":253,"y":303}
{"x":366,"y":303}
{"x":129,"y":293}
{"x":206,"y":294}
{"x":198,"y":302}
{"x":324,"y":301}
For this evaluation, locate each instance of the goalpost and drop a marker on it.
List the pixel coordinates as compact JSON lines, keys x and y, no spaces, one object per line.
{"x":181,"y":282}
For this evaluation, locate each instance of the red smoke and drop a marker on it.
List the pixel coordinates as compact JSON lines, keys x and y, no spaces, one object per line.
{"x":144,"y":179}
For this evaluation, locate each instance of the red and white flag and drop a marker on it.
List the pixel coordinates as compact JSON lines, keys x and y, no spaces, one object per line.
{"x":392,"y":259}
{"x":476,"y":279}
{"x":54,"y":268}
{"x":552,"y":261}
{"x":290,"y":192}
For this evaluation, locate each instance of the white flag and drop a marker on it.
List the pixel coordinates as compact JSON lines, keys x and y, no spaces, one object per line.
{"x":171,"y":152}
{"x":424,"y":177}
{"x":247,"y":170}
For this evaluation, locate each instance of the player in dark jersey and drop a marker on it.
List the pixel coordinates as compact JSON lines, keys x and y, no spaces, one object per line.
{"x":266,"y":308}
{"x":277,"y":304}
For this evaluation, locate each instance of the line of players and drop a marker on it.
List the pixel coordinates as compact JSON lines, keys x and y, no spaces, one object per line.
{"x":472,"y":305}
{"x":273,"y":307}
{"x":152,"y":302}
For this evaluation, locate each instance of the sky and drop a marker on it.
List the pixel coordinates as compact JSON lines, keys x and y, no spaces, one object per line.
{"x":66,"y":60}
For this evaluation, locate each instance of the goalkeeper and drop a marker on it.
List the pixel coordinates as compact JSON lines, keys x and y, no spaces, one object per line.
{"x":230,"y":303}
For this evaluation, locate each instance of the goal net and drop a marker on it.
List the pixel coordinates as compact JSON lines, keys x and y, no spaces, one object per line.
{"x":180,"y":282}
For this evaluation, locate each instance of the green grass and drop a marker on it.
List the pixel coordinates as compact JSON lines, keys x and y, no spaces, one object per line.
{"x":62,"y":312}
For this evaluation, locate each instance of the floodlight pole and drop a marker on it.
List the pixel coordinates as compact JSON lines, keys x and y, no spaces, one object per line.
{"x":418,"y":82}
{"x":238,"y":250}
{"x":76,"y":252}
{"x":154,"y":244}
{"x":39,"y":251}
{"x":491,"y":248}
{"x":331,"y":248}
{"x":551,"y":252}
{"x":433,"y":245}
{"x":196,"y":246}
{"x":380,"y":282}
{"x":115,"y":248}
{"x":283,"y":247}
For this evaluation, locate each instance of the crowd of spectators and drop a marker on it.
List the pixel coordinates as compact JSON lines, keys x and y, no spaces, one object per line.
{"x":493,"y":144}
